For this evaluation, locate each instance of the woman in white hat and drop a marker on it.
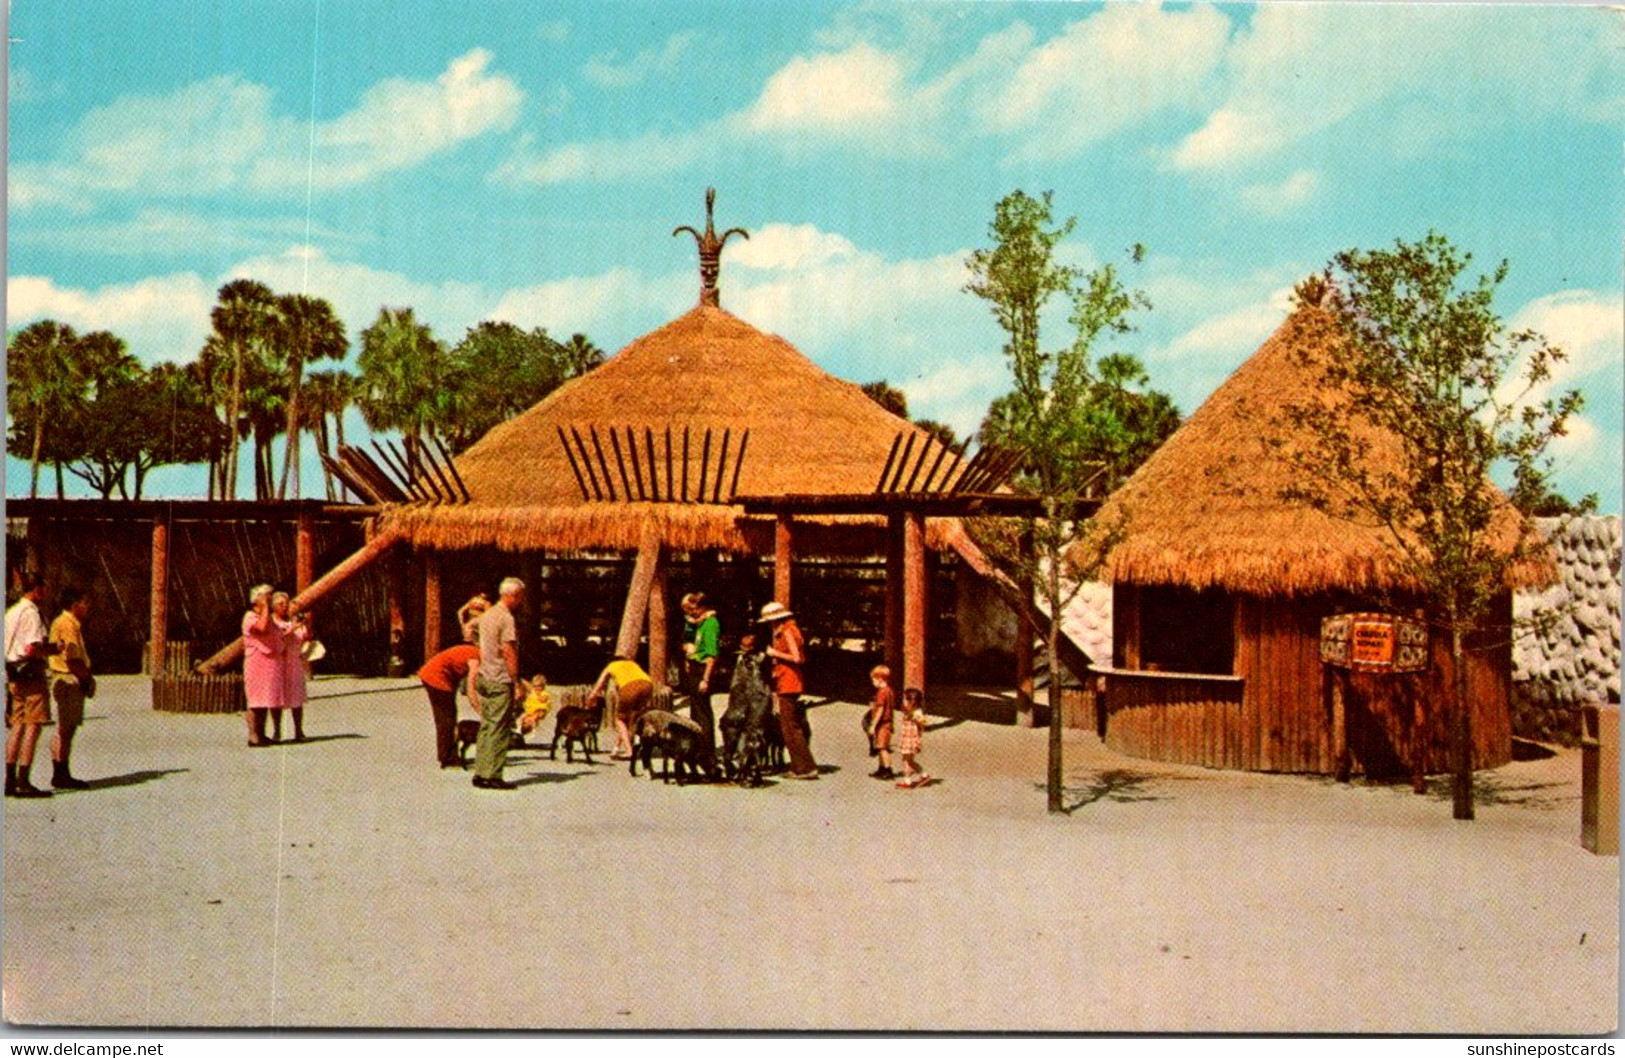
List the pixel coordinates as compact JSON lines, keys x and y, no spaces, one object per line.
{"x":789,"y":653}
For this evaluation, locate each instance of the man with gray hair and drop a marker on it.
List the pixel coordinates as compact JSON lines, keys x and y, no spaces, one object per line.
{"x":498,"y":640}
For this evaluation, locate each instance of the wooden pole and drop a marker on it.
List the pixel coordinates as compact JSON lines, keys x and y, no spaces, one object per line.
{"x":914,"y":600}
{"x":326,"y":584}
{"x":894,"y":596}
{"x":658,"y":644}
{"x":637,"y":596}
{"x":783,"y":557}
{"x":304,"y":552}
{"x":1026,"y":715}
{"x":158,"y":649}
{"x":395,"y":594}
{"x":431,"y":604}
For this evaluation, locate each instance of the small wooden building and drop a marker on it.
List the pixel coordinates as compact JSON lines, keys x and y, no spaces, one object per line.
{"x":1219,"y":590}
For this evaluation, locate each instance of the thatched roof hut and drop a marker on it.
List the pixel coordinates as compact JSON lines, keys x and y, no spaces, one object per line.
{"x":1205,"y":511}
{"x":1220,"y":586}
{"x":809,"y":432}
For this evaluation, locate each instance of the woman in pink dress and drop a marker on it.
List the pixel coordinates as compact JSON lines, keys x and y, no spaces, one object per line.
{"x":294,"y":632}
{"x":262,"y":662}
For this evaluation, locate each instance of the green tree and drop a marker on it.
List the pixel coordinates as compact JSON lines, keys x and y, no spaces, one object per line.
{"x":407,"y":380}
{"x":327,"y":393}
{"x":308,"y":330}
{"x":42,"y":382}
{"x":243,"y":331}
{"x":940,"y":430}
{"x":501,"y":371}
{"x":887,"y":396}
{"x":174,"y":418}
{"x":104,"y":441}
{"x":581,"y":355}
{"x":1017,"y":276}
{"x":1429,"y":393}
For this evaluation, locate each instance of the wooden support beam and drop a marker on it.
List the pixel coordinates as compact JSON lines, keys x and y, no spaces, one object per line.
{"x":452,"y":466}
{"x":891,"y":456}
{"x":659,"y":644}
{"x":1026,"y":715}
{"x":307,"y":599}
{"x":902,"y":465}
{"x":603,"y":464}
{"x":581,"y":482}
{"x":722,"y":465}
{"x":431,"y":604}
{"x":739,"y":461}
{"x":894,"y":597}
{"x":914,"y":600}
{"x":158,"y":647}
{"x":637,"y":596}
{"x":304,"y":552}
{"x":784,"y":555}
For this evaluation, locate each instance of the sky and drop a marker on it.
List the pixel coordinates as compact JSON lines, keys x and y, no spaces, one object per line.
{"x":524,"y":162}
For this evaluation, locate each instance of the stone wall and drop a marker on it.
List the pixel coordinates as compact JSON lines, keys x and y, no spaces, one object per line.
{"x":1566,"y":637}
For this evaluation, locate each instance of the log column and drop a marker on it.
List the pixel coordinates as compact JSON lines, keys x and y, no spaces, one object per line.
{"x":158,"y":644}
{"x":893,"y":652}
{"x":431,"y":604}
{"x":914,"y":600}
{"x":658,"y":644}
{"x":304,"y":552}
{"x":783,"y":556}
{"x":1026,"y":715}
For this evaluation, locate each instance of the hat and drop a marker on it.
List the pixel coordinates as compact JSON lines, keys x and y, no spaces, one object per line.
{"x":773,"y":611}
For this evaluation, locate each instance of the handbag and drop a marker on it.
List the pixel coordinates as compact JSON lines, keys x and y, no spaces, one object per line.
{"x":25,"y":670}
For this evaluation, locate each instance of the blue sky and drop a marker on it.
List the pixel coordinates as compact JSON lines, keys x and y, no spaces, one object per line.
{"x":528,"y":162}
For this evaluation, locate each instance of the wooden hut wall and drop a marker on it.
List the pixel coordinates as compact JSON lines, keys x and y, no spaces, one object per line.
{"x":212,"y":566}
{"x":1276,"y":716}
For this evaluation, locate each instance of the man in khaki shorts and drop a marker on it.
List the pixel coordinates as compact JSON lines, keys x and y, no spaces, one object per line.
{"x":27,"y":706}
{"x":71,"y":683}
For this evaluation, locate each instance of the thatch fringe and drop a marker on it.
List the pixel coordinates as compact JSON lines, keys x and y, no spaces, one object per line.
{"x":599,"y":527}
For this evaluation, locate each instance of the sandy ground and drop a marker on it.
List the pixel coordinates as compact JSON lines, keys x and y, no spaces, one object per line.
{"x":348,"y":882}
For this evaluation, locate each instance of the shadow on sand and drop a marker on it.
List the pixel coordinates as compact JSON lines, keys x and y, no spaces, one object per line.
{"x":134,"y":778}
{"x":312,"y":739}
{"x":1123,"y":787}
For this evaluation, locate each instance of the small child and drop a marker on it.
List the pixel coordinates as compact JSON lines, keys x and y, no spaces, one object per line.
{"x":537,"y":703}
{"x":878,"y":721}
{"x":910,"y":732}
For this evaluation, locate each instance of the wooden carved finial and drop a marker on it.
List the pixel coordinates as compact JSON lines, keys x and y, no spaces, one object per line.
{"x":710,"y":250}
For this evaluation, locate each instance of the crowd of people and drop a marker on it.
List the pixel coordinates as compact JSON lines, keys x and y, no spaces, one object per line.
{"x":485,"y":665}
{"x":49,"y":666}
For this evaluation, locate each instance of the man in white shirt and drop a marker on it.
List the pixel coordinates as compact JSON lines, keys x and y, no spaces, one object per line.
{"x":28,"y":705}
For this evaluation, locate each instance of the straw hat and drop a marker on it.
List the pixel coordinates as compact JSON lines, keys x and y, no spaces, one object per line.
{"x":773,"y":611}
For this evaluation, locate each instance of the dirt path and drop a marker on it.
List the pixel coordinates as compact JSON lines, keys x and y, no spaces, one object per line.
{"x":347,"y":882}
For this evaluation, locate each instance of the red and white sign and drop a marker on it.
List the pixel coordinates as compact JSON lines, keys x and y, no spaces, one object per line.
{"x":1374,"y":642}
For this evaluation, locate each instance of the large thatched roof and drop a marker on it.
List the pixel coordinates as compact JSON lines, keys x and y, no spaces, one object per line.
{"x":810,"y":432}
{"x":1205,"y":511}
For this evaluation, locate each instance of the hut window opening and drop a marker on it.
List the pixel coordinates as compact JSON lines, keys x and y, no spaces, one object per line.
{"x":1187,"y":631}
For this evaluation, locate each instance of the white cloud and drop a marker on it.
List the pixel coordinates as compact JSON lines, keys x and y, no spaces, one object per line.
{"x":161,"y":318}
{"x":788,"y":247}
{"x":1107,"y":72}
{"x":147,"y":228}
{"x":1437,"y":68}
{"x":223,"y":135}
{"x":1276,"y":200}
{"x":842,"y":92}
{"x":594,"y":305}
{"x":1588,"y":326}
{"x":1231,"y":336}
{"x":611,"y":71}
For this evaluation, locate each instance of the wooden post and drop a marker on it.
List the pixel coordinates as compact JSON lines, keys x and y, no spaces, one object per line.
{"x":658,"y":644}
{"x":377,"y":544}
{"x":395,"y":594}
{"x":637,"y":596}
{"x":158,"y":648}
{"x":431,"y":604}
{"x":894,"y":596}
{"x":914,"y":600}
{"x":783,"y":557}
{"x":1026,"y":715}
{"x":1340,"y":727}
{"x":304,"y":552}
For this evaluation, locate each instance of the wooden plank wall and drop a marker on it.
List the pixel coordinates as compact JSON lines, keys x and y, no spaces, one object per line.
{"x":1279,"y":717}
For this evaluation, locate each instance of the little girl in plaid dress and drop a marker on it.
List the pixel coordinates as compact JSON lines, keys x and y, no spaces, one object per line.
{"x":910,"y":730}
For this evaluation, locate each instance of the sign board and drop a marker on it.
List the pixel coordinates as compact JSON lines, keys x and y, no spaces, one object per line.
{"x":1374,"y":642}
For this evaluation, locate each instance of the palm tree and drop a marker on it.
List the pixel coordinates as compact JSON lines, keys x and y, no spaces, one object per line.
{"x":327,"y":393}
{"x":581,"y":355}
{"x":41,"y":383}
{"x":404,"y":379}
{"x":242,"y":319}
{"x":309,"y":330}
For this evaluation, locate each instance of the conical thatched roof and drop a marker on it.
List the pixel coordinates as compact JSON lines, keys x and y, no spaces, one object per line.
{"x":810,"y":432}
{"x":1205,"y":511}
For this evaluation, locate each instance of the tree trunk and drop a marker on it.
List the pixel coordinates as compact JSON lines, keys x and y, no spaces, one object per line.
{"x":1054,"y":784}
{"x":39,"y":445}
{"x":290,"y":455}
{"x":234,"y":410}
{"x":1462,"y":725}
{"x":61,"y":491}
